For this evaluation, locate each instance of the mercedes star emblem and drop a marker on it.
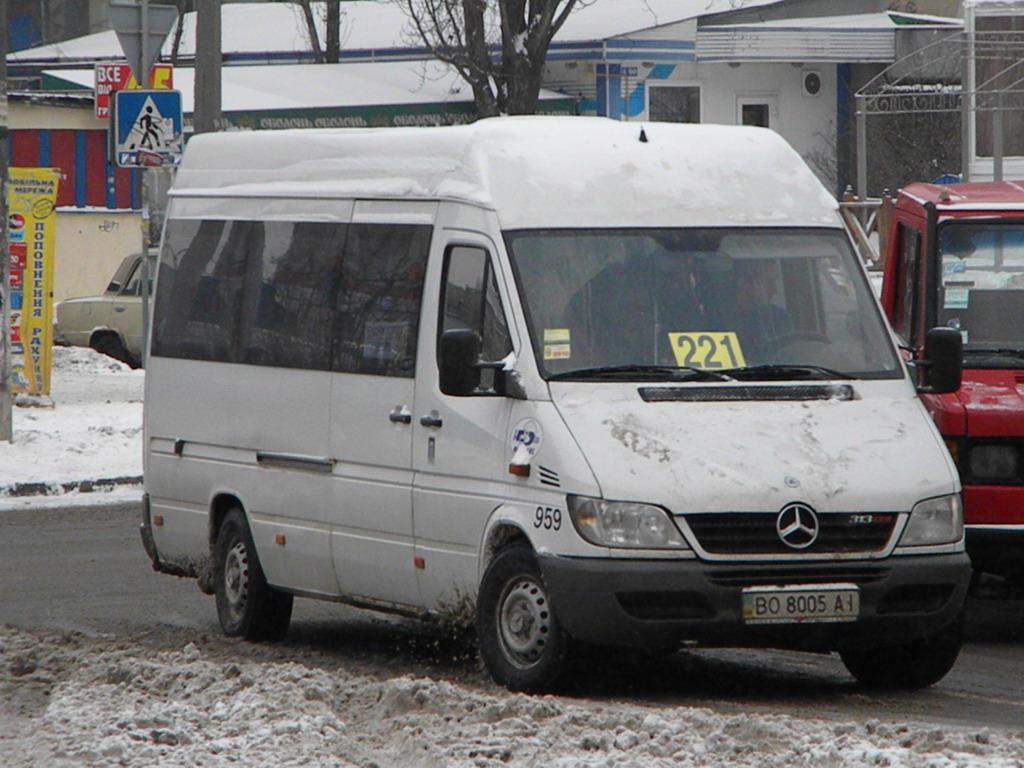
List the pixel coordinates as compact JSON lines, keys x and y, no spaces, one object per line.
{"x":797,"y":525}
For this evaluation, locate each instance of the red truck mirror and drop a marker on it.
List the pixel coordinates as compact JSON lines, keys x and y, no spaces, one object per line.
{"x":942,"y":365}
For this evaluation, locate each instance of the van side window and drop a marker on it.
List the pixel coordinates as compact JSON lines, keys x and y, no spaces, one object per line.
{"x":471,"y":300}
{"x":201,"y":270}
{"x":907,"y":280}
{"x":379,"y":299}
{"x":309,"y":295}
{"x":288,"y":304}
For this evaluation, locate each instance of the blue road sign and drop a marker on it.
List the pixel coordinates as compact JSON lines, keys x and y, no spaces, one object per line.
{"x":147,"y":128}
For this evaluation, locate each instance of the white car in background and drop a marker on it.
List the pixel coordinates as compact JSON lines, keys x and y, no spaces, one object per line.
{"x":110,"y":323}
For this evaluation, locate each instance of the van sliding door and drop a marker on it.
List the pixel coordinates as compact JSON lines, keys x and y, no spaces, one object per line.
{"x":372,"y":404}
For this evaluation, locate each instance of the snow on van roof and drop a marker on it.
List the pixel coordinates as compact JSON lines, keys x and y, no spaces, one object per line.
{"x":534,"y":171}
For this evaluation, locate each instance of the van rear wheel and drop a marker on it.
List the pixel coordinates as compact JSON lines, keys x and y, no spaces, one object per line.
{"x":246,"y":605}
{"x":909,"y":666}
{"x":521,"y":642}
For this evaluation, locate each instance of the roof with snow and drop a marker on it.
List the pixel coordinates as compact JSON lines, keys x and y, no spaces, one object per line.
{"x":534,"y":171}
{"x":370,"y":30}
{"x":867,"y":37}
{"x":994,"y":5}
{"x":331,"y":95}
{"x":970,"y":196}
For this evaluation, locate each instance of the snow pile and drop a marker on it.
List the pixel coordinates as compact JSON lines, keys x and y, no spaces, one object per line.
{"x":89,"y":429}
{"x":62,"y":705}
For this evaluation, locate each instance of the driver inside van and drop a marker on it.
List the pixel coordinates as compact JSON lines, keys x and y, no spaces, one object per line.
{"x":758,"y":321}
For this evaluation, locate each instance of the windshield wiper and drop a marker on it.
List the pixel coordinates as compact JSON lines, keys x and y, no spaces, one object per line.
{"x":779,"y":372}
{"x":655,"y":372}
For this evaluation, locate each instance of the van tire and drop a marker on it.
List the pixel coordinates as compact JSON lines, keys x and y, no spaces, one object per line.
{"x":521,"y":642}
{"x":247,"y":606}
{"x":909,"y":666}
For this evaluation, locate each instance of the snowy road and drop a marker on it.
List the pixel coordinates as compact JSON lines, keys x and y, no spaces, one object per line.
{"x":108,"y":664}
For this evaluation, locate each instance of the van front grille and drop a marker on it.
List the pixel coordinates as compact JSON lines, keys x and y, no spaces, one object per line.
{"x":754,"y":533}
{"x":770,"y":574}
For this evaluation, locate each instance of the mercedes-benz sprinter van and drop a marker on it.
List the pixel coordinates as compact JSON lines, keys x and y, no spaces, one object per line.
{"x":597,"y":382}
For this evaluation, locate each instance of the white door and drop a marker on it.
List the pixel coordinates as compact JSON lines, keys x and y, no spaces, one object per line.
{"x":459,"y":442}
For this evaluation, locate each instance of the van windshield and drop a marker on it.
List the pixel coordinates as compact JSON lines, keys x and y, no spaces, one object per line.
{"x":981,"y":293}
{"x":753,"y":302}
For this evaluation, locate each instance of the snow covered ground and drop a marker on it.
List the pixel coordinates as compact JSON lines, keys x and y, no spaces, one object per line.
{"x":89,"y":429}
{"x":67,"y":700}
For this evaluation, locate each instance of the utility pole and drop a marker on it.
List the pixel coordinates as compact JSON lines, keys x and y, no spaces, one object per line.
{"x":206,"y":114}
{"x":6,"y":396}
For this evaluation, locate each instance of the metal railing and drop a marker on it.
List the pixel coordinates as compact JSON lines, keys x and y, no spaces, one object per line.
{"x":868,"y":220}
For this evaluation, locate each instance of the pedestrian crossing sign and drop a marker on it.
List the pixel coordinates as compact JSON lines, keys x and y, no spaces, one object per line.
{"x":147,"y":128}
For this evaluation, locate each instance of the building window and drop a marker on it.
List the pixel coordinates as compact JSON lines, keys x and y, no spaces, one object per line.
{"x":755,"y":114}
{"x":674,"y":104}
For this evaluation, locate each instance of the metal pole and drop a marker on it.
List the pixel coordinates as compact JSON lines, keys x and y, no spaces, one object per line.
{"x":966,"y":99}
{"x":997,"y":139}
{"x":144,"y":39}
{"x":862,"y":147}
{"x":147,"y":281}
{"x":6,"y":396}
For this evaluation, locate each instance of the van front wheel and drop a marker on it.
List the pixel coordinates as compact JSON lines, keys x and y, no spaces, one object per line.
{"x":246,"y":605}
{"x":909,"y":666}
{"x":521,"y":642}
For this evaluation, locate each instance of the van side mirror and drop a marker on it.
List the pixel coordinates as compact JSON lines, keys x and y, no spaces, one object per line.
{"x":461,"y":369}
{"x":459,"y":360}
{"x":942,"y":366}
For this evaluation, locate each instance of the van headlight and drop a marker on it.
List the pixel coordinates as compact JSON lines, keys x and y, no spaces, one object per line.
{"x":935,"y":521}
{"x":624,"y":524}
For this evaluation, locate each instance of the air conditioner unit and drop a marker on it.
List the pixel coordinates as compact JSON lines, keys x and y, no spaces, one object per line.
{"x":810,"y":82}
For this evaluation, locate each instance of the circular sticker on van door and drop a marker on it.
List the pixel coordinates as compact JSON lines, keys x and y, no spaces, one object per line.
{"x":526,"y":439}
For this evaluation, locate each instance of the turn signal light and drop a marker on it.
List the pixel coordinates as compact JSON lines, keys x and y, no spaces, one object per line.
{"x":953,"y":446}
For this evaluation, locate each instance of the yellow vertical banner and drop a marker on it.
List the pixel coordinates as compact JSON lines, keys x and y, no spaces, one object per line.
{"x":31,"y":202}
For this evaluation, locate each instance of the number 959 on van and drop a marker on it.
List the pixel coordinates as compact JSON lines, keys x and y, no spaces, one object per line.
{"x":584,"y":382}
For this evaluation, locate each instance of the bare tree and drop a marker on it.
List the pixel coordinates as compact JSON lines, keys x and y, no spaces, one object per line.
{"x":184,"y":6}
{"x":498,"y":46}
{"x":314,"y":38}
{"x":331,"y":51}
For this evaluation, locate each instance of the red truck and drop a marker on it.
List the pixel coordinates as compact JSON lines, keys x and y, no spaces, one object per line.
{"x":955,"y":258}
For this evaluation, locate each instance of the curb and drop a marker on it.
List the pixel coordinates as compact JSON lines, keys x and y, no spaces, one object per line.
{"x":56,"y":489}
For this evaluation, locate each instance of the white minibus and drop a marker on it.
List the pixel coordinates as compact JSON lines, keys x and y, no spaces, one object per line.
{"x":600,"y":383}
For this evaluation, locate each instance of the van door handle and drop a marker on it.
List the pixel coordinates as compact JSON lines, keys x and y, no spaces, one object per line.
{"x":400,"y":416}
{"x":431,"y":420}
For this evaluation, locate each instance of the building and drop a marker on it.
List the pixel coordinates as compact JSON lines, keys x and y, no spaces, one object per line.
{"x":792,"y":65}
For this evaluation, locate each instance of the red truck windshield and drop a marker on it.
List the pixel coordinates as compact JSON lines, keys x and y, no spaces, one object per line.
{"x":981,"y":292}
